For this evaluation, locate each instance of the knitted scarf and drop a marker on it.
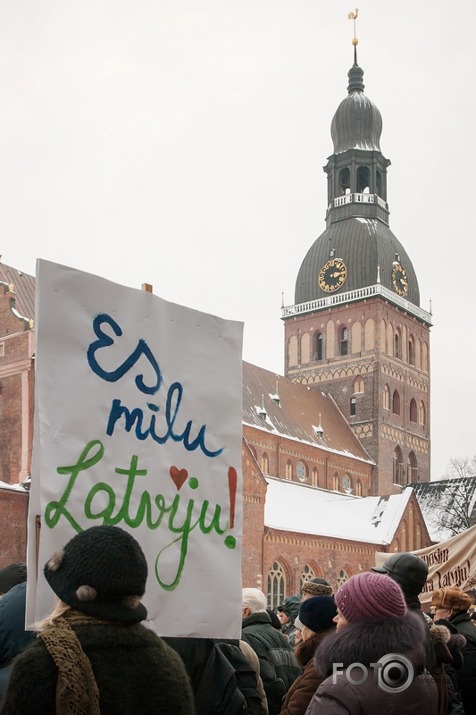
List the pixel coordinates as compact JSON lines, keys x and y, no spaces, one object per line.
{"x":76,"y":689}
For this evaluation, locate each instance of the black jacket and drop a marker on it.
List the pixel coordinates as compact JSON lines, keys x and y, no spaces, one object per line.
{"x":467,"y":674}
{"x":136,"y":674}
{"x":278,"y":665}
{"x":13,"y":636}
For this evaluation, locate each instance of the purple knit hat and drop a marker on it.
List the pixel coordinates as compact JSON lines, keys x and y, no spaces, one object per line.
{"x":369,"y":596}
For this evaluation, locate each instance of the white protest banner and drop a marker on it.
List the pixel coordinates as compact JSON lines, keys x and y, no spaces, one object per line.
{"x":450,"y":563}
{"x":138,"y":425}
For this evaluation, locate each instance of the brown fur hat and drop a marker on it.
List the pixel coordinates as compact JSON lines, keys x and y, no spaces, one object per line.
{"x":453,"y":598}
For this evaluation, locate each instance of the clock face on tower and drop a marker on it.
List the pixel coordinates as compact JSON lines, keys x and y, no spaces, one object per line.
{"x":399,"y":280}
{"x":332,"y":275}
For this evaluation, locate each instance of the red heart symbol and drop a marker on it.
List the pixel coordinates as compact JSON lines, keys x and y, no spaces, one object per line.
{"x":179,"y":476}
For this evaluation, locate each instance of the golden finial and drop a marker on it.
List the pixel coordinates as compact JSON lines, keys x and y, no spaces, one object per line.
{"x":353,"y":16}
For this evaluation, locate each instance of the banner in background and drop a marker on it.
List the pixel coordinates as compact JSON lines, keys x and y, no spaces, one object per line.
{"x":450,"y":563}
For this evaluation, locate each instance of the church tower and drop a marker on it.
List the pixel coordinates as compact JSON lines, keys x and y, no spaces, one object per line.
{"x":357,"y":330}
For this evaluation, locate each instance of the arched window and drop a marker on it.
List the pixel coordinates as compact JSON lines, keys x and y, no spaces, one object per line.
{"x":412,"y":468}
{"x":307,"y":575}
{"x":315,"y":477}
{"x":398,"y":467}
{"x":422,"y":413}
{"x":276,"y":585}
{"x":359,"y":385}
{"x":396,"y":403}
{"x":363,"y":180}
{"x":347,"y":484}
{"x":413,"y":410}
{"x":343,"y":341}
{"x":397,"y":344}
{"x":342,"y":578}
{"x":289,"y":469}
{"x":319,"y":346}
{"x":386,"y":397}
{"x":264,"y":463}
{"x":358,"y":488}
{"x":335,"y":482}
{"x":411,"y":350}
{"x":344,"y":181}
{"x":301,"y":472}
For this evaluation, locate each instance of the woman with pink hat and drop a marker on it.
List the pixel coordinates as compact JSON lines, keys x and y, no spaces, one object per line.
{"x":374,"y":662}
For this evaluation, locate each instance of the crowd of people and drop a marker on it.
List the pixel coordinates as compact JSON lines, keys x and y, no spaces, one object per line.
{"x":367,"y":649}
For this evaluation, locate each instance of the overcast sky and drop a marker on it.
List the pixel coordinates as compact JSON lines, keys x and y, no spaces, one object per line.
{"x":182,"y":144}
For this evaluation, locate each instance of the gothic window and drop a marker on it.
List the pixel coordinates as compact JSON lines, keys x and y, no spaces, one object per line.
{"x":307,"y":575}
{"x":342,"y":578}
{"x":363,"y":180}
{"x":276,"y":585}
{"x":422,"y":413}
{"x":413,"y":410}
{"x":344,"y":181}
{"x":335,"y":482}
{"x":289,"y":469}
{"x":347,"y":484}
{"x":358,"y":488}
{"x":397,"y":350}
{"x":353,"y":406}
{"x":315,"y":476}
{"x":386,"y":397}
{"x":398,"y":467}
{"x":359,"y":384}
{"x":343,"y":341}
{"x":411,"y":350}
{"x":319,"y":346}
{"x":396,"y":403}
{"x":301,"y":471}
{"x":264,"y":463}
{"x":412,"y":468}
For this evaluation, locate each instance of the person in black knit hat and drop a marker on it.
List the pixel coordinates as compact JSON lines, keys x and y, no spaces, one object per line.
{"x":92,"y":654}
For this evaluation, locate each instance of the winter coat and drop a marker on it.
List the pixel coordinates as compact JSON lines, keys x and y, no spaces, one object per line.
{"x":366,"y":642}
{"x":278,"y":665}
{"x":135,"y":671}
{"x":467,"y":674}
{"x":195,"y":653}
{"x":13,"y":636}
{"x":301,"y":691}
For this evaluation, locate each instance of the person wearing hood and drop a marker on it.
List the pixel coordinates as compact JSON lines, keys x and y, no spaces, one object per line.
{"x":287,"y":613}
{"x":92,"y":654}
{"x":317,"y":618}
{"x":374,"y":662}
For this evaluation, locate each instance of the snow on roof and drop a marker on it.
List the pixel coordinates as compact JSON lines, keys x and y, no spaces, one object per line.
{"x":13,"y":487}
{"x":299,"y":508}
